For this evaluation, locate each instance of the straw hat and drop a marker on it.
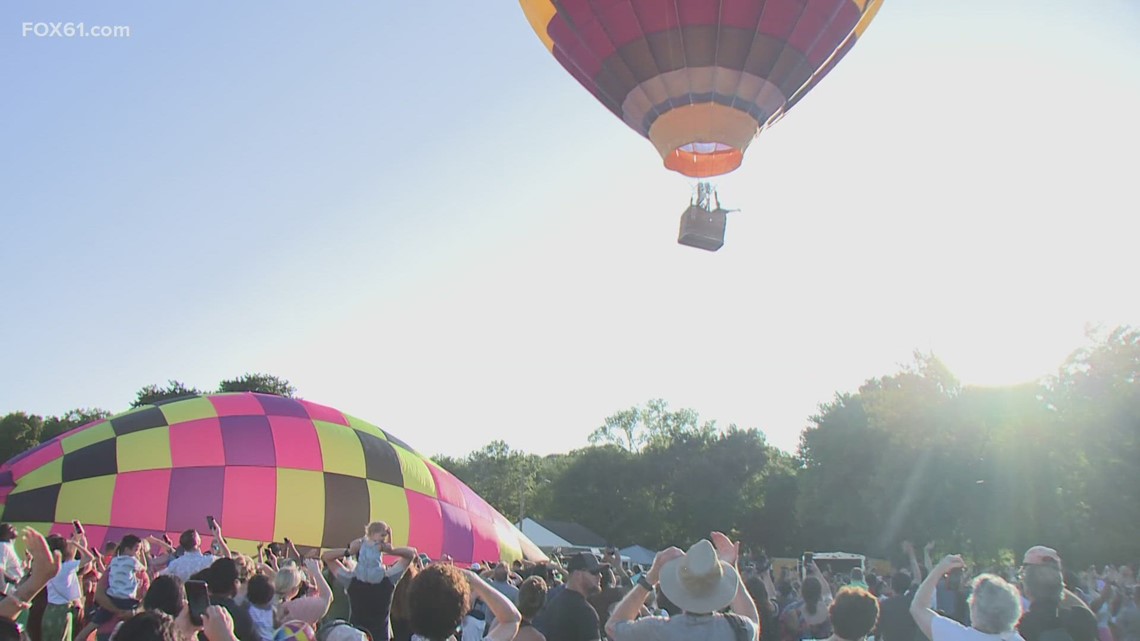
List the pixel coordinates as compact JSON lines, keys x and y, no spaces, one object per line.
{"x":699,"y":582}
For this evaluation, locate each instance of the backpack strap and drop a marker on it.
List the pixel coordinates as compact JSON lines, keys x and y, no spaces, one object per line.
{"x":739,"y":627}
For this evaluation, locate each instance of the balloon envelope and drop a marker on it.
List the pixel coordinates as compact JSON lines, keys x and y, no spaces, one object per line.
{"x":267,"y":467}
{"x":699,"y":78}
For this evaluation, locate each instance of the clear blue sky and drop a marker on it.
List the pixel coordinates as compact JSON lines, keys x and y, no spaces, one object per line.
{"x":413,"y":213}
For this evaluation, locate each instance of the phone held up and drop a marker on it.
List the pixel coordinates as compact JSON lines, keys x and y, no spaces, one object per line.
{"x":808,"y":560}
{"x":78,"y":527}
{"x":198,"y":600}
{"x":211,"y":523}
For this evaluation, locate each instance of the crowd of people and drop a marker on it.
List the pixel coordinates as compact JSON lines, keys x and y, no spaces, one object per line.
{"x":155,"y":589}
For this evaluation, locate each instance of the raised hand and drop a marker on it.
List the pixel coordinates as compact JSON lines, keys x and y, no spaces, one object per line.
{"x":659,"y":561}
{"x":217,"y":624}
{"x":951,"y":562}
{"x":726,"y":550}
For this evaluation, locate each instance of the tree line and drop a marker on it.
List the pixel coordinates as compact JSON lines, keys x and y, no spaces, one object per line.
{"x":20,"y":431}
{"x":912,"y":455}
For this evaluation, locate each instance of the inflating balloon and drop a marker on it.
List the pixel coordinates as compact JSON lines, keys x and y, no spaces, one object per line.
{"x":267,"y":467}
{"x":699,"y":78}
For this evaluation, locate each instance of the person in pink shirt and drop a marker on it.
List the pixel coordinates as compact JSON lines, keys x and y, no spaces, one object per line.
{"x":310,"y":609}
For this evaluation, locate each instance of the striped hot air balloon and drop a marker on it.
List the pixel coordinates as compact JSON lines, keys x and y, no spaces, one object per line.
{"x":699,"y":78}
{"x":266,"y":467}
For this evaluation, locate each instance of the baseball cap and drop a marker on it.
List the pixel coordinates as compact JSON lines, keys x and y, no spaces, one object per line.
{"x":1041,"y":555}
{"x":586,"y":562}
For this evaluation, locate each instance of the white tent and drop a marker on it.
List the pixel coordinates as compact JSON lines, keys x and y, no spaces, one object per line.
{"x":639,"y":554}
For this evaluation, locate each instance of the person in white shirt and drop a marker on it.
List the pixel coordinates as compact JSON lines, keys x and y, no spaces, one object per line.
{"x":9,"y":561}
{"x":124,"y":574}
{"x":192,"y":561}
{"x":995,"y":607}
{"x":63,"y":595}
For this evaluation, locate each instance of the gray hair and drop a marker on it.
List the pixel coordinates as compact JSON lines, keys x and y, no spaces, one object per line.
{"x":995,"y":604}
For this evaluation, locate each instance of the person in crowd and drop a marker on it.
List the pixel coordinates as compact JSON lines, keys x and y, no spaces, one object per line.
{"x":309,"y":608}
{"x":500,"y":580}
{"x":222,"y":579}
{"x":158,"y":625}
{"x":1051,"y":606}
{"x":1103,"y":603}
{"x":151,"y":625}
{"x":807,"y":618}
{"x":401,"y":615}
{"x":370,"y":593}
{"x":621,"y":577}
{"x":166,"y":594}
{"x":125,"y":576}
{"x":762,"y":590}
{"x":259,"y":595}
{"x":895,"y":620}
{"x":45,"y":566}
{"x":247,"y":569}
{"x":611,"y":593}
{"x":701,"y":582}
{"x":339,"y":573}
{"x":442,"y":594}
{"x":857,"y":580}
{"x":10,"y":564}
{"x":1127,"y":619}
{"x":569,"y":615}
{"x":532,"y":596}
{"x":995,"y":607}
{"x":190,"y":559}
{"x":853,"y":614}
{"x":63,"y":595}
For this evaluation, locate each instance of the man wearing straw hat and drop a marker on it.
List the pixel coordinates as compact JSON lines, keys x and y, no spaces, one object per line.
{"x":701,"y":582}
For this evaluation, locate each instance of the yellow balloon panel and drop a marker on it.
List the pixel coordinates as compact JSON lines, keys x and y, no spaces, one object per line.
{"x":299,"y":487}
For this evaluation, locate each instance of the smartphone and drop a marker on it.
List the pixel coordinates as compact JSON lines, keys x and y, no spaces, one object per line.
{"x":212,"y":523}
{"x":166,"y":539}
{"x":78,"y":527}
{"x":808,"y":558}
{"x":198,"y":598}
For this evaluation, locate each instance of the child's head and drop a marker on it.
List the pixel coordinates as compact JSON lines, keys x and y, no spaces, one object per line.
{"x":378,"y":531}
{"x":260,"y":590}
{"x":129,"y":545}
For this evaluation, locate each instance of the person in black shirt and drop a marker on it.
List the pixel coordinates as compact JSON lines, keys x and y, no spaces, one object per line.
{"x":570,"y":617}
{"x":222,"y":578}
{"x":1051,"y":607}
{"x":1043,"y":587}
{"x":895,"y":621}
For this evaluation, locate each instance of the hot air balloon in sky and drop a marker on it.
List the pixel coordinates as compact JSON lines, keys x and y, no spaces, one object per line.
{"x":700,"y":78}
{"x":267,"y":467}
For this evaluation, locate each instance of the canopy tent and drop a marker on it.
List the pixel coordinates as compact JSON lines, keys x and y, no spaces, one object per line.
{"x":639,"y":554}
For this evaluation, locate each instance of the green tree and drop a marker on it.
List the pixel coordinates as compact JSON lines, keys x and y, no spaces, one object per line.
{"x":636,"y":427}
{"x":53,"y":426}
{"x":262,"y":383}
{"x":623,"y":429}
{"x":1096,"y":399}
{"x":154,"y":394}
{"x":19,"y":431}
{"x":504,"y":477}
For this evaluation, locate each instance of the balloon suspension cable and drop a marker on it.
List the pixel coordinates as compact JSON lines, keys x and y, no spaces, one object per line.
{"x":706,"y":197}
